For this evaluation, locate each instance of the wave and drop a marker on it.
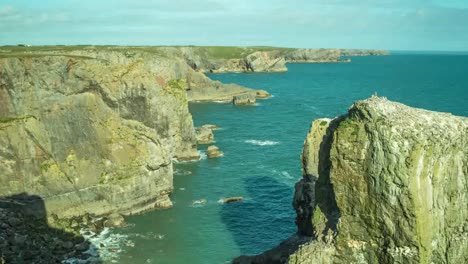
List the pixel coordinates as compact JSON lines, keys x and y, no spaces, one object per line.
{"x":287,"y":175}
{"x":202,"y":155}
{"x":261,"y":142}
{"x":182,"y":172}
{"x":105,"y":246}
{"x":150,"y":236}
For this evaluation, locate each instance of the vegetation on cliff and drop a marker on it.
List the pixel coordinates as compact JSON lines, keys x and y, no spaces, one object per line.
{"x":385,"y":183}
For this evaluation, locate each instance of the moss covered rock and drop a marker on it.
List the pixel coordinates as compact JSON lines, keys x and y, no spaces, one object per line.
{"x":385,"y":183}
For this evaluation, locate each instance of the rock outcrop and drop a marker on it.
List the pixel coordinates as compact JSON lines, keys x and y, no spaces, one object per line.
{"x":244,"y":99}
{"x":204,"y":135}
{"x":232,"y":199}
{"x":214,"y":152}
{"x":385,"y":183}
{"x":266,"y":61}
{"x":210,"y":126}
{"x":312,"y":55}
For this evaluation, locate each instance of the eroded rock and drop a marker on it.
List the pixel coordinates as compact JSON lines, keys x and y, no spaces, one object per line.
{"x":214,"y":152}
{"x":385,"y":183}
{"x":232,"y":199}
{"x":114,"y":220}
{"x":204,"y":135}
{"x":244,"y":99}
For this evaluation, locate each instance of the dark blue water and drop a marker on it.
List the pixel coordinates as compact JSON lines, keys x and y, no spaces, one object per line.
{"x":262,"y":146}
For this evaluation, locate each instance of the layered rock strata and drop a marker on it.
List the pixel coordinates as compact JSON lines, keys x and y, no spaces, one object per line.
{"x":89,"y":135}
{"x":385,"y":183}
{"x":95,"y":129}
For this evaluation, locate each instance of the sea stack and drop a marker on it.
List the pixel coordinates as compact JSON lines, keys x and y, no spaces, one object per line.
{"x":214,"y":152}
{"x":385,"y":183}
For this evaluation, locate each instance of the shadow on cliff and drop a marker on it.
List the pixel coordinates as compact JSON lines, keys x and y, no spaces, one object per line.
{"x":314,"y":191}
{"x":26,"y":237}
{"x":261,"y":220}
{"x":324,"y":191}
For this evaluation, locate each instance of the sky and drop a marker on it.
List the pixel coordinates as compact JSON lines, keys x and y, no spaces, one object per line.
{"x":440,"y":25}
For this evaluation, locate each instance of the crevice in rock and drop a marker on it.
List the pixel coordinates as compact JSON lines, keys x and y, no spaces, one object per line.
{"x":324,"y":192}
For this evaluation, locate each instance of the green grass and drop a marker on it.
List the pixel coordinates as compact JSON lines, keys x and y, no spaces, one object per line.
{"x":40,"y":55}
{"x":233,"y":52}
{"x":210,"y":52}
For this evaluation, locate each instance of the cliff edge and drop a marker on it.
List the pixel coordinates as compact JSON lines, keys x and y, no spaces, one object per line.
{"x":385,"y":183}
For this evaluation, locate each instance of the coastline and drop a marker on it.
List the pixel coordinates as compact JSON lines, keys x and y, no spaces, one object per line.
{"x":100,"y":90}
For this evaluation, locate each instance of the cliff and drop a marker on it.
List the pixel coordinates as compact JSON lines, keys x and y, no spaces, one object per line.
{"x":361,"y":52}
{"x":313,"y":56}
{"x":96,"y":129}
{"x":89,"y":135}
{"x":258,"y":59}
{"x":385,"y":183}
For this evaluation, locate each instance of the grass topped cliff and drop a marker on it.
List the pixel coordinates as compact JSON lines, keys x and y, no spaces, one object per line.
{"x":130,"y":104}
{"x":95,"y":129}
{"x":208,"y":52}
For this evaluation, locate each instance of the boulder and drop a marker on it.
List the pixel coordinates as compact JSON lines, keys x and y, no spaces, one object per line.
{"x":114,"y":220}
{"x":232,"y":199}
{"x":214,"y":152}
{"x":261,"y":94}
{"x":204,"y":135}
{"x":211,"y":126}
{"x":244,"y":99}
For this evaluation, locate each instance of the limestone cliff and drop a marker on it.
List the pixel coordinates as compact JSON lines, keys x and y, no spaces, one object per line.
{"x":313,"y":56}
{"x":91,"y":135}
{"x":168,"y":63}
{"x":385,"y":183}
{"x":361,"y":52}
{"x":261,"y":59}
{"x":95,"y":129}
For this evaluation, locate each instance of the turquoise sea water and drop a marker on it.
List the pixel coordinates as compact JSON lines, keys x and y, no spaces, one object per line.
{"x":262,"y":146}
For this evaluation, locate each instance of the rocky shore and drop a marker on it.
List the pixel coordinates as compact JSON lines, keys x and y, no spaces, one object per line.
{"x":384,"y":183}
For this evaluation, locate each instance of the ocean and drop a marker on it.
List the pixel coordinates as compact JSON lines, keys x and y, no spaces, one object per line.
{"x":262,"y":146}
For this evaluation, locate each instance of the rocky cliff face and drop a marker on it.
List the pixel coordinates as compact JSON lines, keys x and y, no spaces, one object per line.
{"x":385,"y":183}
{"x":313,"y":55}
{"x":358,"y":52}
{"x":266,"y":61}
{"x":261,"y":59}
{"x":95,"y":129}
{"x":91,"y":135}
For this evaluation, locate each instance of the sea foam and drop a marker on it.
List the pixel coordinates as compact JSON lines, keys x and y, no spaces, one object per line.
{"x":261,"y":142}
{"x":105,"y":246}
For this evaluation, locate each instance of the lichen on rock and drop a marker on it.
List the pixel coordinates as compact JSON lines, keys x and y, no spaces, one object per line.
{"x":385,"y":183}
{"x":92,"y":135}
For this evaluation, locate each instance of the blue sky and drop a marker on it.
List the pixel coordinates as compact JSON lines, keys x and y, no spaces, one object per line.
{"x":385,"y":24}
